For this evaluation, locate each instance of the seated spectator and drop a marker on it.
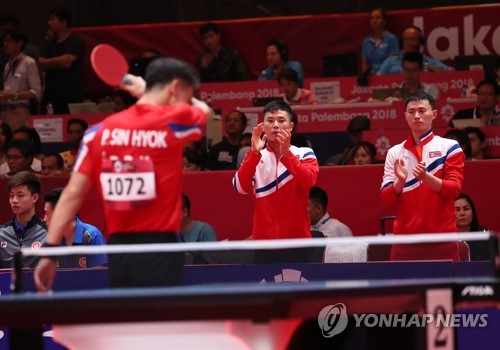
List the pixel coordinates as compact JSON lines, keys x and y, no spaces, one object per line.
{"x":21,"y":81}
{"x":19,"y":157}
{"x":467,"y":221}
{"x":355,"y":129}
{"x":412,"y":41}
{"x":52,"y":165}
{"x":193,"y":230}
{"x":364,"y":153}
{"x":192,"y":160}
{"x":320,"y":219}
{"x":30,"y":135}
{"x":477,"y":142}
{"x":122,"y":100}
{"x":413,"y":65}
{"x":463,"y":140}
{"x":5,"y":136}
{"x":223,"y":155}
{"x":292,"y":94}
{"x":218,"y":63}
{"x":244,"y":145}
{"x":488,"y":110}
{"x":380,"y":44}
{"x":80,"y":234}
{"x":277,"y":58}
{"x":74,"y":130}
{"x":26,"y":229}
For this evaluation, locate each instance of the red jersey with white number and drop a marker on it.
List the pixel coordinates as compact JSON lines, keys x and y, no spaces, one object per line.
{"x":136,"y":157}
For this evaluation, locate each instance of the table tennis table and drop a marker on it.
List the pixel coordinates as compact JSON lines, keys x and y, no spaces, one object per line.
{"x":236,"y":315}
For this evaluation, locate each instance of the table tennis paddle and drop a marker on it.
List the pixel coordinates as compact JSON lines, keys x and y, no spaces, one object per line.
{"x":109,"y":64}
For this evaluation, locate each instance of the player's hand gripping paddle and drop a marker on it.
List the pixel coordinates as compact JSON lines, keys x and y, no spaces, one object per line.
{"x":109,"y":64}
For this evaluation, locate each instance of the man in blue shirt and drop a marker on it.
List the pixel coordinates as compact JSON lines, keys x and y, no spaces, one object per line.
{"x":277,"y":58}
{"x":412,"y":40}
{"x":83,"y":234}
{"x":193,"y":230}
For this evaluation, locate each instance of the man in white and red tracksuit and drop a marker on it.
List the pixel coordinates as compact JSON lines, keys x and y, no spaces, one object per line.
{"x":423,"y":175}
{"x":280,"y":176}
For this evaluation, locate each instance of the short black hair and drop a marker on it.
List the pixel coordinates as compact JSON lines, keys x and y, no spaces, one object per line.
{"x":192,"y":156}
{"x":420,"y":96}
{"x":26,"y":178}
{"x":7,"y":132}
{"x":81,"y":122}
{"x":288,"y":74}
{"x":64,"y":14}
{"x":33,"y":137}
{"x":17,"y":35}
{"x":278,"y":105}
{"x":491,"y":82}
{"x":415,"y":57}
{"x":52,"y":197}
{"x":24,"y":146}
{"x":243,"y":116}
{"x":474,"y":130}
{"x":367,"y":146}
{"x":462,"y":139}
{"x":209,"y":27}
{"x":163,"y":71}
{"x":186,"y":203}
{"x":59,"y":159}
{"x":318,"y":195}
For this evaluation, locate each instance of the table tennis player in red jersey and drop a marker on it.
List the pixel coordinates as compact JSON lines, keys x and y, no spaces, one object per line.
{"x":136,"y":158}
{"x":423,"y":175}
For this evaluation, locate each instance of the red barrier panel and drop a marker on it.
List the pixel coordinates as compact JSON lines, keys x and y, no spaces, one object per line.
{"x":353,"y":192}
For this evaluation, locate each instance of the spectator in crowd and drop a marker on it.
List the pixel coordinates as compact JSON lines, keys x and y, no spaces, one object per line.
{"x":62,"y":61}
{"x":192,"y":160}
{"x":74,"y":131}
{"x":355,"y":129}
{"x":413,"y":64}
{"x":30,"y":135}
{"x":380,"y":44}
{"x":5,"y":136}
{"x":477,"y":141}
{"x":122,"y":100}
{"x":423,"y":175}
{"x":320,"y":218}
{"x":26,"y":229}
{"x":412,"y":40}
{"x":218,"y":63}
{"x":488,"y":110}
{"x":364,"y":153}
{"x":19,"y":157}
{"x":277,"y":55}
{"x":9,"y":21}
{"x":194,"y":230}
{"x":52,"y":165}
{"x":78,"y":234}
{"x":467,"y":221}
{"x":223,"y":155}
{"x":462,"y":138}
{"x":291,"y":92}
{"x":21,"y":81}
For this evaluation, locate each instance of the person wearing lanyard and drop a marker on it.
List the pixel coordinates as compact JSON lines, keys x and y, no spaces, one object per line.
{"x":21,"y":81}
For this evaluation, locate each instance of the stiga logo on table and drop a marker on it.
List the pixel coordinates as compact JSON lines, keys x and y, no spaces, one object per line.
{"x":332,"y":320}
